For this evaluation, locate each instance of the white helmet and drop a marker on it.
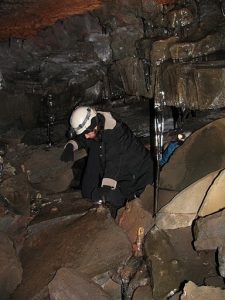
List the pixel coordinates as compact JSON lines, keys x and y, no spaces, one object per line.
{"x":81,"y":118}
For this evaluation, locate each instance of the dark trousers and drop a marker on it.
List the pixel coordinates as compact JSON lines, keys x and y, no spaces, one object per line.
{"x":91,"y":181}
{"x":91,"y":176}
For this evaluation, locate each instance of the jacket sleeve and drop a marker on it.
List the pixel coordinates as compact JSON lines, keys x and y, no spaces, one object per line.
{"x":113,"y":157}
{"x":73,"y":143}
{"x":79,"y":143}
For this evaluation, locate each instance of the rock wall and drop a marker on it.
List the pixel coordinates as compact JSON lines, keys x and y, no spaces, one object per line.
{"x":117,"y":49}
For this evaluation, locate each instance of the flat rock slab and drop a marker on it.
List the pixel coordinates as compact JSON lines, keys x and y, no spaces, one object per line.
{"x":61,"y":204}
{"x":93,"y":244}
{"x":71,"y":285}
{"x":11,"y":270}
{"x":202,"y":153}
{"x":184,"y":207}
{"x":192,"y":291}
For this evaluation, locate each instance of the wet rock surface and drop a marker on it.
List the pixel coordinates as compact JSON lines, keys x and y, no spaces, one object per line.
{"x":100,"y":52}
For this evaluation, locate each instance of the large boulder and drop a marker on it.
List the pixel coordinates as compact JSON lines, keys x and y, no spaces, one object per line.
{"x":202,"y":153}
{"x":92,"y":245}
{"x":46,"y":172}
{"x":187,"y":205}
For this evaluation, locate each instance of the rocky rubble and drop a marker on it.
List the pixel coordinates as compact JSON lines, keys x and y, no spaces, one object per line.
{"x":54,"y":238}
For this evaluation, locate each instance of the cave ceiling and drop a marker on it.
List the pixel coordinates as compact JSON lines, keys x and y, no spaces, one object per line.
{"x":23,"y":19}
{"x":96,"y":51}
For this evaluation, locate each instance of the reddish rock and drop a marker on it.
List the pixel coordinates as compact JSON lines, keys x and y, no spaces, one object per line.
{"x":139,"y":212}
{"x":28,"y":17}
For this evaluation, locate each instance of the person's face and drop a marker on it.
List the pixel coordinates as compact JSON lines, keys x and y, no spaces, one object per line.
{"x":92,"y":135}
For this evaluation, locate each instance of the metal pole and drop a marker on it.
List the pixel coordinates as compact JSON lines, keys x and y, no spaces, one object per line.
{"x":159,"y":128}
{"x":159,"y":97}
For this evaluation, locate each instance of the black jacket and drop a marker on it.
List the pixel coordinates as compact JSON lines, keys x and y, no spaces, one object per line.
{"x":125,"y":162}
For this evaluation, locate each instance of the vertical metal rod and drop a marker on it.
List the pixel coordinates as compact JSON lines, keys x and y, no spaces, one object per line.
{"x":159,"y":97}
{"x":159,"y":128}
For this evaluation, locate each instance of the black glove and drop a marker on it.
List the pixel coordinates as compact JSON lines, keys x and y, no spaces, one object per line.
{"x":101,"y":193}
{"x":112,"y":196}
{"x":67,"y":154}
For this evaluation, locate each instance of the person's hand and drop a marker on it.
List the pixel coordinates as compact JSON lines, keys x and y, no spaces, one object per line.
{"x":101,"y":193}
{"x":68,"y":153}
